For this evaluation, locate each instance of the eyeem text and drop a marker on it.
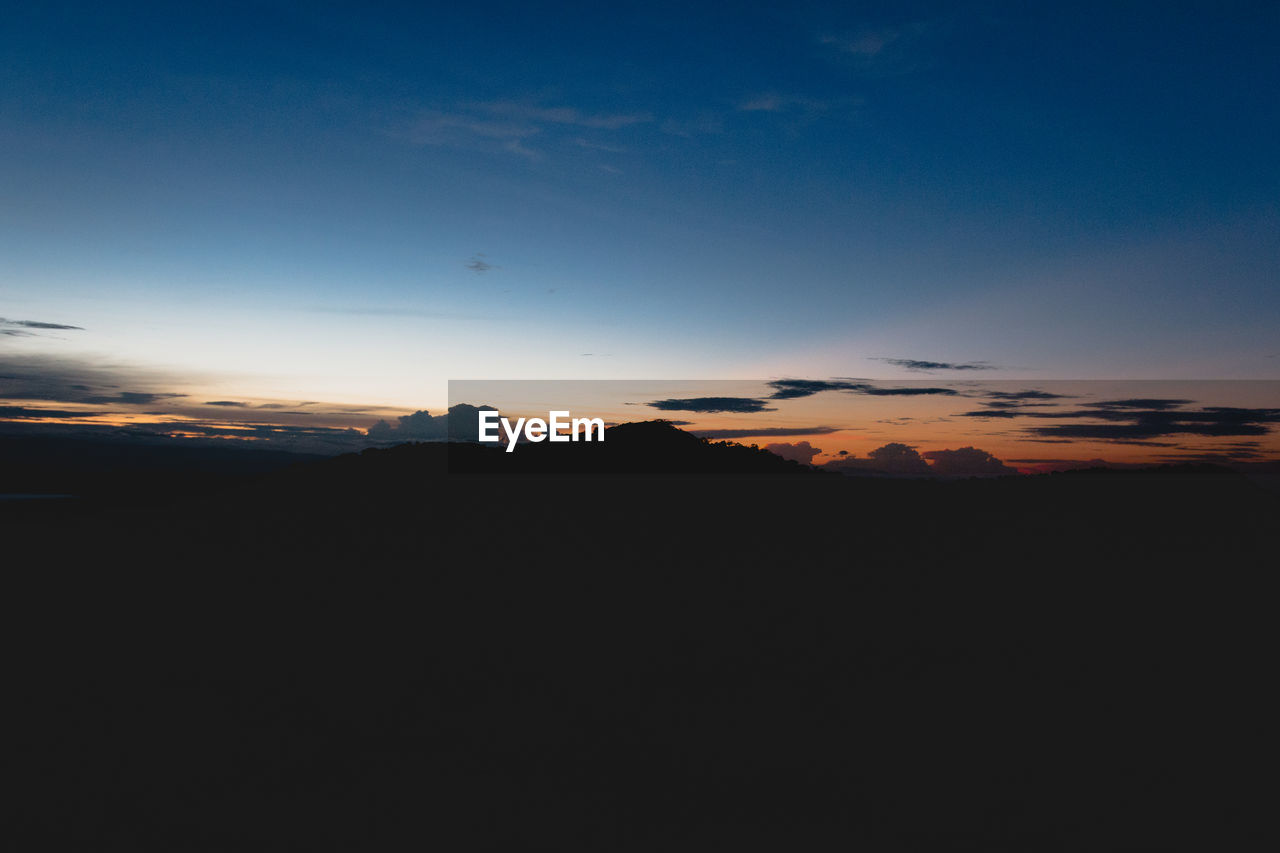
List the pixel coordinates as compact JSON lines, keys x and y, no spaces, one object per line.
{"x":536,"y":429}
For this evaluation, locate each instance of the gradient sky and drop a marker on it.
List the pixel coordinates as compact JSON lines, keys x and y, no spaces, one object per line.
{"x":323,"y":202}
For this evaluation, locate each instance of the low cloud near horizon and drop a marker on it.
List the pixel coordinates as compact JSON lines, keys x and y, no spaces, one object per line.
{"x":802,"y":451}
{"x":903,"y":460}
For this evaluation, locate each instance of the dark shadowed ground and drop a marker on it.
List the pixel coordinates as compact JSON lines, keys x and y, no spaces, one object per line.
{"x":366,"y":653}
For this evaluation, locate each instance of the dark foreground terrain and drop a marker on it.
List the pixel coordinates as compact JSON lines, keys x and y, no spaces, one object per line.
{"x":367,"y":654}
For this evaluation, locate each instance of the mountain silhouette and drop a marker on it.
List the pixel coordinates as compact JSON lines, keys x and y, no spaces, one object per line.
{"x":644,"y":448}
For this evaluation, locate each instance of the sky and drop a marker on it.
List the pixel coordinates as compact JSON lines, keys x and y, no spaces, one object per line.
{"x":336,"y":209}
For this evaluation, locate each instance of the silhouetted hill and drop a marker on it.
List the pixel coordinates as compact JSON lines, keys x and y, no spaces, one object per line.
{"x":131,"y":467}
{"x":647,"y":448}
{"x":644,"y":447}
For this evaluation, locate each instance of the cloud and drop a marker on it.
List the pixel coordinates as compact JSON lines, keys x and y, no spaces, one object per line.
{"x":1015,"y":412}
{"x":908,"y":392}
{"x":922,"y":366}
{"x":419,"y":426}
{"x":764,"y":432}
{"x":1046,"y":466}
{"x":478,"y":264}
{"x":28,"y":376}
{"x":460,"y":423}
{"x":801,"y":452}
{"x":507,"y":125}
{"x":435,"y":127}
{"x":902,"y":460}
{"x":772,"y":102}
{"x":25,"y":413}
{"x":895,"y":459}
{"x":130,"y":398}
{"x":767,"y":103}
{"x":22,"y":328}
{"x":884,"y":50}
{"x":791,"y":389}
{"x":1143,"y":403}
{"x":599,"y":146}
{"x":1139,"y":420}
{"x":1015,"y":405}
{"x":1024,"y":395}
{"x":1215,"y":458}
{"x":898,"y":457}
{"x":538,"y":115}
{"x":515,"y":146}
{"x":231,"y":403}
{"x":966,"y":462}
{"x":1141,"y":431}
{"x":744,"y":405}
{"x":865,"y":44}
{"x":36,"y":324}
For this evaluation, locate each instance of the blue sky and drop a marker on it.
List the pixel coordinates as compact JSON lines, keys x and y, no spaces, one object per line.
{"x":351,"y":204}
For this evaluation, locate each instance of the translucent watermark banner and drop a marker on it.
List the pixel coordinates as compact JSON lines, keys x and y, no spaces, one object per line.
{"x":863,"y":427}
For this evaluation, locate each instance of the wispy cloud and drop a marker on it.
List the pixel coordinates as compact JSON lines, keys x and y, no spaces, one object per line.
{"x":435,"y":127}
{"x":36,"y":324}
{"x":538,"y":115}
{"x":865,"y":44}
{"x":924,"y":366}
{"x":478,"y":264}
{"x":1025,"y":395}
{"x":510,"y":126}
{"x":515,"y":146}
{"x":35,"y":413}
{"x":766,"y":103}
{"x":27,"y":376}
{"x":742,"y":405}
{"x":593,"y":145}
{"x":1138,"y":420}
{"x":885,"y":50}
{"x":130,"y":398}
{"x":791,"y":389}
{"x":775,"y":102}
{"x":763,"y":432}
{"x":24,"y":328}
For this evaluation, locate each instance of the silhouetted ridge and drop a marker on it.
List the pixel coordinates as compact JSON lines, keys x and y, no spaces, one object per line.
{"x":654,"y":433}
{"x":640,"y":448}
{"x":637,"y":448}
